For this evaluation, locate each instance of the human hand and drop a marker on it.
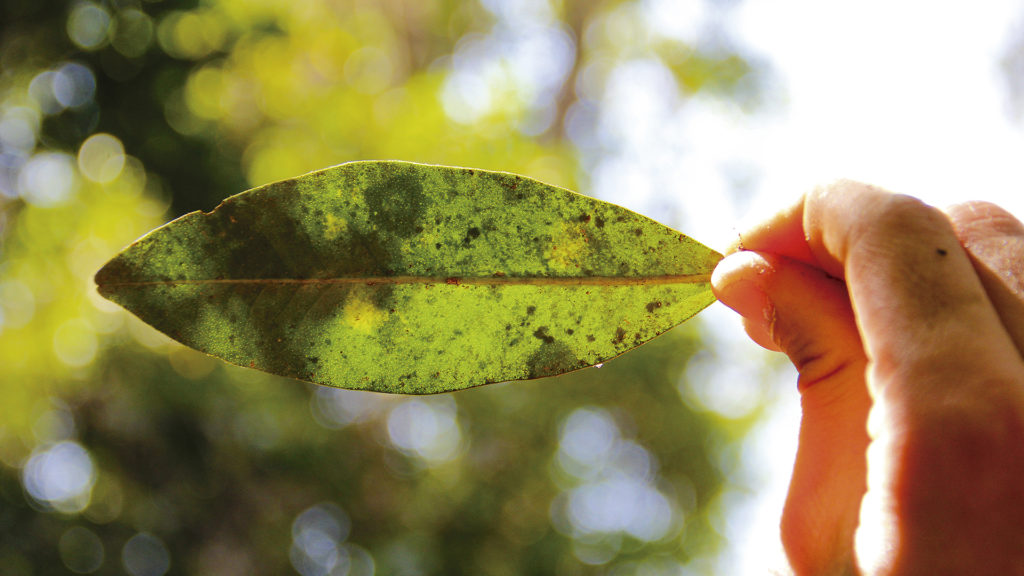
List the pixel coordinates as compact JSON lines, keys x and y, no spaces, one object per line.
{"x":906,"y":325}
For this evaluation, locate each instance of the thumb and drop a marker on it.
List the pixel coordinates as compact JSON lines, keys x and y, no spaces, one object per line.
{"x":801,"y":311}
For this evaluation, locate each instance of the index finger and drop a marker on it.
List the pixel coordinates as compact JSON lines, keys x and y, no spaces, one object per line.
{"x":919,"y":303}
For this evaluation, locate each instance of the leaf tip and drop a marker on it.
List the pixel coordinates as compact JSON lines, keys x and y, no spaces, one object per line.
{"x":108,"y":276}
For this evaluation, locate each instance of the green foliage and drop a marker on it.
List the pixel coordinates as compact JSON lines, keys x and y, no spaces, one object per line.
{"x":119,"y":446}
{"x":415,"y":279}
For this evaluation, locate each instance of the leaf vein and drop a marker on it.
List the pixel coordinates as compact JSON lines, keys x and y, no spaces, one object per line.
{"x":450,"y":280}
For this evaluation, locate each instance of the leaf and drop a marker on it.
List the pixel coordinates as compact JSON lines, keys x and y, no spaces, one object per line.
{"x":413,"y":279}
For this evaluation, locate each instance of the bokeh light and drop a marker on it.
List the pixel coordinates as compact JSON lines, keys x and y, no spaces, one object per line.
{"x":81,"y":550}
{"x":48,"y":179}
{"x":191,"y":34}
{"x":88,"y":25}
{"x":73,"y":85}
{"x":18,"y":304}
{"x":133,"y":33}
{"x":319,"y":546}
{"x":55,"y":425}
{"x":521,"y":63}
{"x":41,"y":89}
{"x":335,"y":408}
{"x":75,"y":343}
{"x":732,"y":389}
{"x":60,"y":477}
{"x":145,"y":555}
{"x":427,"y":429}
{"x":18,"y":128}
{"x":101,"y":158}
{"x":609,"y":488}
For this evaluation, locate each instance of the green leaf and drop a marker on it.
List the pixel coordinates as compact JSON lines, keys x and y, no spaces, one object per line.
{"x":413,"y":279}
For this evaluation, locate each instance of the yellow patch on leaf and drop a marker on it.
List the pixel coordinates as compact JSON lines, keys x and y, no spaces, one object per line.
{"x":360,"y":313}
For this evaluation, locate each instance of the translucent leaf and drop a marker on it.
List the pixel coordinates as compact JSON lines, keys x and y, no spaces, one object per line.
{"x":413,"y":279}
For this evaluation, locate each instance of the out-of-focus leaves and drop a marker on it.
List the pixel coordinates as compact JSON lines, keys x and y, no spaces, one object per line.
{"x":400,"y":277}
{"x":231,"y":471}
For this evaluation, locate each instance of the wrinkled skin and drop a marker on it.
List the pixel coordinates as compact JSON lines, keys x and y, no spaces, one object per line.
{"x":906,"y":324}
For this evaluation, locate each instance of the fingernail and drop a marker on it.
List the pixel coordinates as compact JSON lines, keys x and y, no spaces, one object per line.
{"x":737,"y":282}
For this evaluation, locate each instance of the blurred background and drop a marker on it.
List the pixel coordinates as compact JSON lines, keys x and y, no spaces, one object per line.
{"x":121,"y":452}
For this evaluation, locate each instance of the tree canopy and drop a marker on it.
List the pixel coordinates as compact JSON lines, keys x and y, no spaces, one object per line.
{"x":122,"y":451}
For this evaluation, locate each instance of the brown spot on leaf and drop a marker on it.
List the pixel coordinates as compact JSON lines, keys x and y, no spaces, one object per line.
{"x":542,"y":334}
{"x":552,"y":359}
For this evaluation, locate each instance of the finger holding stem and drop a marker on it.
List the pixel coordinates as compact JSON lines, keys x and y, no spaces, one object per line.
{"x":942,"y":365}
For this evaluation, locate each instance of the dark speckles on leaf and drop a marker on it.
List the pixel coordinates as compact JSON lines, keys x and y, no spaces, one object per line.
{"x":397,"y":202}
{"x":639,"y":232}
{"x":591,"y":338}
{"x":570,"y":331}
{"x":552,"y":359}
{"x":652,"y":306}
{"x":620,"y":335}
{"x":542,"y":334}
{"x":366,"y":254}
{"x":471,"y":234}
{"x":599,"y":222}
{"x":585,"y":218}
{"x":531,"y":309}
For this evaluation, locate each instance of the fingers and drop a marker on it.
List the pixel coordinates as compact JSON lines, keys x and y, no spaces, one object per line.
{"x":794,"y":308}
{"x":912,"y":284}
{"x":945,"y":371}
{"x":801,"y":311}
{"x":994,"y":241}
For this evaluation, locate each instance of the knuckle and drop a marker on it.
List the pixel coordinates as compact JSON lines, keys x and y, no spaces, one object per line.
{"x":843,"y":186}
{"x":902,"y":213}
{"x":897,"y":226}
{"x":979,"y":217}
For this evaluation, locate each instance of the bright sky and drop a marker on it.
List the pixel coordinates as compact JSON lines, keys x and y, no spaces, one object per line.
{"x":905,"y":94}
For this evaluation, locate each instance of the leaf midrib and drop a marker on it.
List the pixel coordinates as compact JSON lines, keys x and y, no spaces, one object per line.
{"x":446,"y":280}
